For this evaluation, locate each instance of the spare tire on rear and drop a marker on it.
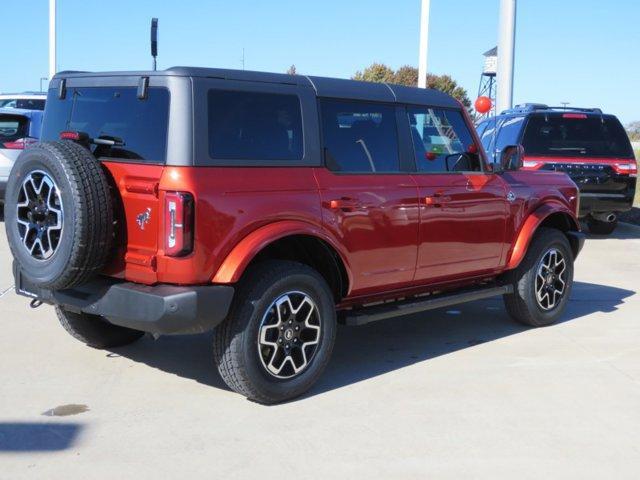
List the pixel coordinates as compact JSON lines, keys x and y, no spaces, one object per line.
{"x":58,"y":214}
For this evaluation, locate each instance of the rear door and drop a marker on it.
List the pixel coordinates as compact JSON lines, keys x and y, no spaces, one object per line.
{"x":369,"y":201}
{"x":135,"y":163}
{"x":463,"y":209}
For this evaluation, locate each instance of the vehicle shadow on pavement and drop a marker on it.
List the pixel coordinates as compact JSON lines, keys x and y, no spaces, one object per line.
{"x":371,"y":350}
{"x":37,"y":436}
{"x":624,"y":231}
{"x":375,"y":349}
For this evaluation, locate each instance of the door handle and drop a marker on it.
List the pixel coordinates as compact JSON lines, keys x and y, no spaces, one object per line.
{"x":345,"y":204}
{"x":436,"y":200}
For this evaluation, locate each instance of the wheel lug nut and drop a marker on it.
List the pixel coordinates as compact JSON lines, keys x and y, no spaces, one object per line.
{"x":279,"y":340}
{"x":295,"y":340}
{"x":297,"y":328}
{"x":281,"y":328}
{"x":290,"y":322}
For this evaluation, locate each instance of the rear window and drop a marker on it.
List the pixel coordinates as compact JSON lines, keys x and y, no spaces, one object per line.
{"x":28,"y":104}
{"x":12,"y":127}
{"x":254,"y":126}
{"x":140,"y":126}
{"x":576,"y":135}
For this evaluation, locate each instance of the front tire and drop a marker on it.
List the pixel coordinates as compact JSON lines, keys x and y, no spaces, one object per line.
{"x":599,"y":227}
{"x":279,"y":335}
{"x":92,"y":330}
{"x":543,"y":280}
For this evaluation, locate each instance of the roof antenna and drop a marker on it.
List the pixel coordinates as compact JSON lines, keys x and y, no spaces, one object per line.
{"x":154,"y":41}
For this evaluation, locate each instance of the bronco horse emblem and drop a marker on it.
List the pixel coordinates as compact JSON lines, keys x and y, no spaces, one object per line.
{"x":143,"y":218}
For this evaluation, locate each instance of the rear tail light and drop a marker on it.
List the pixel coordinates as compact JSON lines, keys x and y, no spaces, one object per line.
{"x":627,"y":168}
{"x":19,"y":144}
{"x":178,"y":223}
{"x":81,"y":138}
{"x":574,"y":115}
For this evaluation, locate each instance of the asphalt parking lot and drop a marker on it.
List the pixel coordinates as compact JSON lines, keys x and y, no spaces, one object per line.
{"x":462,"y":392}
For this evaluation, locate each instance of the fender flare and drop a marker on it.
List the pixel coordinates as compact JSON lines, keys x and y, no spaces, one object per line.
{"x":530,"y":226}
{"x":235,"y":263}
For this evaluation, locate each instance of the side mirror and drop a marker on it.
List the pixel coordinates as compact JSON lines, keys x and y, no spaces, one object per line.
{"x":511,"y":157}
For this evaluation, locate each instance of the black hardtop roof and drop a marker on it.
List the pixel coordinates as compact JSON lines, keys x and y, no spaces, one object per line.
{"x":323,"y":86}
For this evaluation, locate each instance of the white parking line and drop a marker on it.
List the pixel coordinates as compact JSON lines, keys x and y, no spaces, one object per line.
{"x":6,"y":290}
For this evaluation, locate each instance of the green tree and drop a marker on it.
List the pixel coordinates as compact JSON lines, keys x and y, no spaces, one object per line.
{"x":446,"y":84}
{"x":633,"y":130}
{"x":408,"y":75}
{"x":377,"y":72}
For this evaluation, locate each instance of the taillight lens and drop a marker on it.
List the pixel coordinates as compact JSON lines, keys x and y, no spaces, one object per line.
{"x":627,"y":168}
{"x":178,"y":223}
{"x":19,"y":144}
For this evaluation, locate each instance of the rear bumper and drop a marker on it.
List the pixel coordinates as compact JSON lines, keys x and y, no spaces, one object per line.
{"x":614,"y":195}
{"x":605,"y":202}
{"x":159,"y":309}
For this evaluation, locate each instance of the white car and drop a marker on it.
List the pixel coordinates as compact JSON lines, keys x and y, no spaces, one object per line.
{"x":18,"y":129}
{"x":29,"y":101}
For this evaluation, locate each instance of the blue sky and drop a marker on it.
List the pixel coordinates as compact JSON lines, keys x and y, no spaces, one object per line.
{"x":580,"y":51}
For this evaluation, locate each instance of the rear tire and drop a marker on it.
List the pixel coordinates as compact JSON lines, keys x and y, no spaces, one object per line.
{"x":281,"y":309}
{"x":535,"y":300}
{"x":95,"y":331}
{"x":599,"y":227}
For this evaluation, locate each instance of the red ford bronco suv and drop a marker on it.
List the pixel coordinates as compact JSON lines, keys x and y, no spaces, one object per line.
{"x":270,"y":207}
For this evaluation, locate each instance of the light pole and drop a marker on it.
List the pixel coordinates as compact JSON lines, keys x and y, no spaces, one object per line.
{"x":506,"y":48}
{"x":424,"y":44}
{"x":52,"y":38}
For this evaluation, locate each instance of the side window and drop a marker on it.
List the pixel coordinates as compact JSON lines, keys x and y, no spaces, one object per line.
{"x":509,"y":133}
{"x":254,"y":126}
{"x":442,"y":141}
{"x":480,"y":128}
{"x":488,"y":136}
{"x":359,"y":137}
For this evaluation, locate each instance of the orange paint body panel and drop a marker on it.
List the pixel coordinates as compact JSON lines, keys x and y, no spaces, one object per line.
{"x":391,"y":239}
{"x":230,"y":205}
{"x":136,"y":245}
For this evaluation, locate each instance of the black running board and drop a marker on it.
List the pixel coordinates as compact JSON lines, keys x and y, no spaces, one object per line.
{"x":364,"y":315}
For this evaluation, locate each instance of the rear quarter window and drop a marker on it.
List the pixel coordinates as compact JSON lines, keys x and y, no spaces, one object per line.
{"x":509,"y":133}
{"x":114,"y":112}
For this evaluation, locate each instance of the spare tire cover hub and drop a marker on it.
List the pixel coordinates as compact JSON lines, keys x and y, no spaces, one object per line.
{"x":39,"y":215}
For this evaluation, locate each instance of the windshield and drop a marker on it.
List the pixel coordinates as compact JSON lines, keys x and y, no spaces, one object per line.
{"x":576,"y":135}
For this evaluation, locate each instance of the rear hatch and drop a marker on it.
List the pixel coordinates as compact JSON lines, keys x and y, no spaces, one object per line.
{"x":137,"y":130}
{"x":592,"y":148}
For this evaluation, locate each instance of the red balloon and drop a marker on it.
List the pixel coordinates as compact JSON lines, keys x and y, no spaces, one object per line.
{"x":483,"y":104}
